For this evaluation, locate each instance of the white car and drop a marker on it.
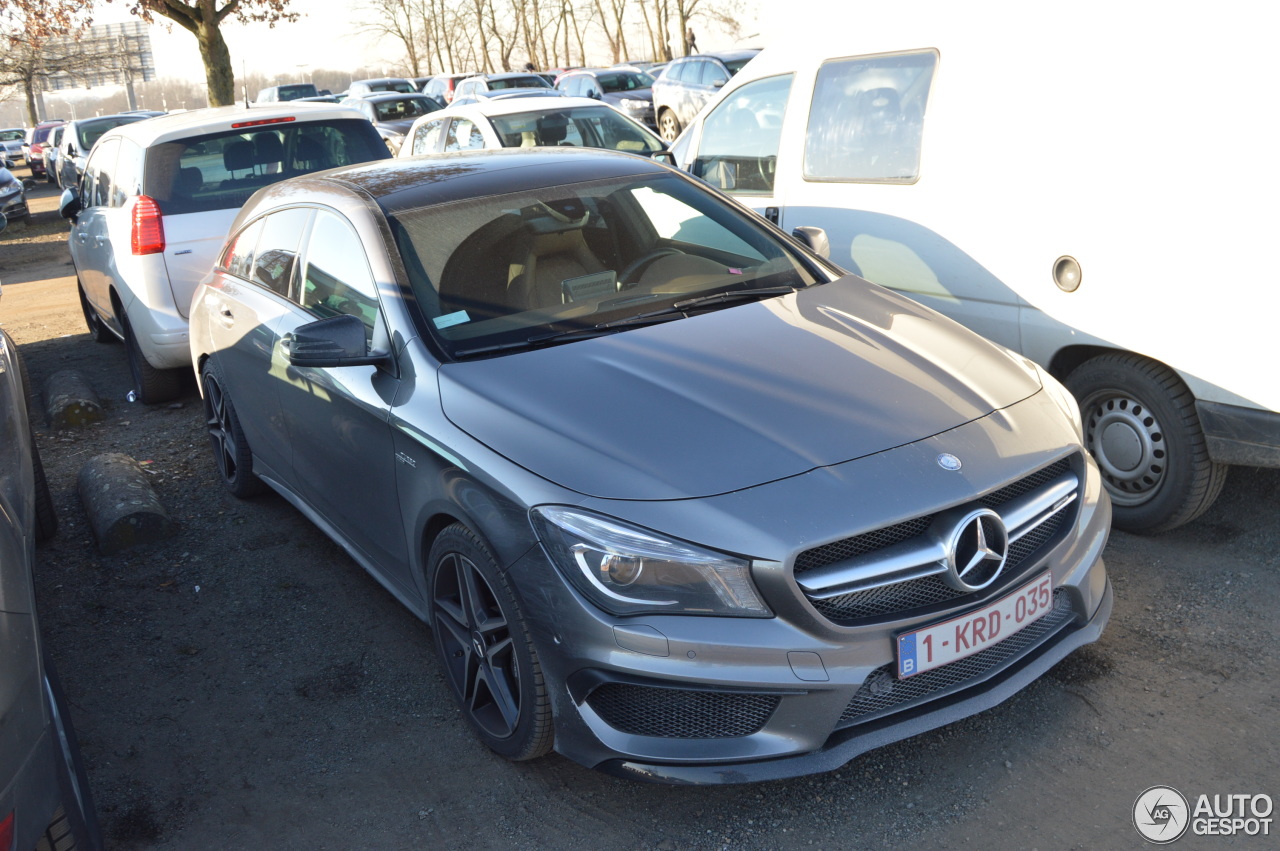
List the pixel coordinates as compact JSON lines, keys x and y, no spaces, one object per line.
{"x":1065,"y":210}
{"x":11,"y":143}
{"x":528,"y":123}
{"x":154,"y":203}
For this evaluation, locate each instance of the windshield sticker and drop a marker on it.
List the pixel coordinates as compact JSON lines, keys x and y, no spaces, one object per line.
{"x":451,"y":319}
{"x":596,"y":285}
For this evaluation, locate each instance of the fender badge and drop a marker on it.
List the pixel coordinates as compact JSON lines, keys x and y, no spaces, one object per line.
{"x":949,"y":462}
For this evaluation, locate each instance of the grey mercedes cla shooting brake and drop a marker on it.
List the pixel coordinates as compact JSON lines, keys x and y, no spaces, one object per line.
{"x":677,"y":497}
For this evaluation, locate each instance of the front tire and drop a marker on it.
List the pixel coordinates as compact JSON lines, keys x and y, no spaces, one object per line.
{"x":1141,"y":426}
{"x":231,"y":453}
{"x":668,"y":126}
{"x":485,"y":649}
{"x":152,"y":385}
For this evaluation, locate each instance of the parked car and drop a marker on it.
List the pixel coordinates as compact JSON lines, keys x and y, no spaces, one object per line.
{"x":676,"y":496}
{"x":505,"y":81}
{"x":688,"y":83}
{"x":153,"y":207}
{"x":442,"y":86}
{"x":392,"y":114}
{"x":45,"y":800}
{"x":526,"y":123}
{"x":382,"y":84}
{"x":627,"y":89}
{"x":322,"y":99}
{"x":289,"y":91}
{"x":11,"y":143}
{"x":870,"y":136}
{"x":35,"y":143}
{"x":13,"y":193}
{"x":77,"y":139}
{"x":49,"y":153}
{"x":504,"y":94}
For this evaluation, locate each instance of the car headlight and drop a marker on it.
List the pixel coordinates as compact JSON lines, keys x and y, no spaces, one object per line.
{"x":1062,"y":398}
{"x":627,"y":570}
{"x":9,"y":187}
{"x":631,"y":103}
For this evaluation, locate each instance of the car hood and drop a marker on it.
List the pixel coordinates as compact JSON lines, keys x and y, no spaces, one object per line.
{"x":734,"y":398}
{"x":398,"y":127}
{"x":634,"y":94}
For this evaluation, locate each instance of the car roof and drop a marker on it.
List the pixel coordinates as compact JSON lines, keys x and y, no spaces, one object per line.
{"x":197,"y":122}
{"x":399,"y":185}
{"x":722,"y":55}
{"x":509,"y":106}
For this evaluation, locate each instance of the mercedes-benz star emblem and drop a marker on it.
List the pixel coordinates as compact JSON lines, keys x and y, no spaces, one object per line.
{"x":976,"y":551}
{"x":949,"y":462}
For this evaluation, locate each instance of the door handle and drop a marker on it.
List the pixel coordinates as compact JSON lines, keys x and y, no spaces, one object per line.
{"x":99,"y":241}
{"x":82,"y":237}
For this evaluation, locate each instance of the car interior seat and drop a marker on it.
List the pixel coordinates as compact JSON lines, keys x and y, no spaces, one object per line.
{"x":552,"y":130}
{"x":238,"y":156}
{"x":268,"y":150}
{"x":551,"y":250}
{"x":190,"y":181}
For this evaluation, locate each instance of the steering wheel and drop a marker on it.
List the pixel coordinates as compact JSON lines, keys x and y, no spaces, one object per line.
{"x":643,"y":260}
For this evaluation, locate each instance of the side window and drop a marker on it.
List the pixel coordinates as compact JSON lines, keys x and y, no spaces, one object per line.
{"x":277,"y":253}
{"x":103,"y":165}
{"x":680,"y":71}
{"x":714,"y":73}
{"x":866,"y":121}
{"x":237,"y":257}
{"x":337,"y":278}
{"x":463,"y":135}
{"x":128,"y":176}
{"x":426,"y":139}
{"x":738,"y":150}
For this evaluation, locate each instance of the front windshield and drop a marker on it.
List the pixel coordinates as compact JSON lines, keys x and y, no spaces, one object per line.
{"x":11,"y":135}
{"x":624,"y":81}
{"x":404,"y":108}
{"x":579,"y":126}
{"x":531,"y":81}
{"x":507,"y":271}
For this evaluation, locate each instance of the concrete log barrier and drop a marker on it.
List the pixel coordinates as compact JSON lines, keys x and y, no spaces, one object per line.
{"x":123,"y":509}
{"x":70,"y":402}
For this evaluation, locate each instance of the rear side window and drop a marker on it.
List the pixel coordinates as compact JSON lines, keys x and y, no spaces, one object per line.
{"x":237,"y":257}
{"x":277,"y":251}
{"x":219,"y":171}
{"x":463,"y":135}
{"x":426,"y":139}
{"x":866,"y":121}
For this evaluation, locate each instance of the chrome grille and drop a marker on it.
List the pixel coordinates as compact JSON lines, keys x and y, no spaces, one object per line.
{"x":883,"y":693}
{"x":671,"y":713}
{"x":863,"y":577}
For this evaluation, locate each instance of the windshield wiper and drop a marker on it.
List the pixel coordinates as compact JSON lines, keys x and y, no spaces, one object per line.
{"x":676,"y":310}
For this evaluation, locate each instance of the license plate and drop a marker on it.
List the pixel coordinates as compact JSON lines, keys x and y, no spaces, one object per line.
{"x":933,"y":646}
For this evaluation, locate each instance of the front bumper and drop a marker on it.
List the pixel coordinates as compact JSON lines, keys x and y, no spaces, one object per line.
{"x":686,"y":699}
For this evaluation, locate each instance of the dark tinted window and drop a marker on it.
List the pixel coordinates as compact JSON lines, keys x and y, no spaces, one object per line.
{"x":88,"y":132}
{"x":402,"y":109}
{"x":298,"y":90}
{"x":623,"y":81}
{"x":531,"y":81}
{"x":221,"y":170}
{"x":277,"y":250}
{"x":582,"y":126}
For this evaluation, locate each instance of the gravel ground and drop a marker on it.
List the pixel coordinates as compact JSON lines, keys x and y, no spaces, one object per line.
{"x":245,"y":685}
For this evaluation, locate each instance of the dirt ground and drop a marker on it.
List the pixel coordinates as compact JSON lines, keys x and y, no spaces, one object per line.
{"x":245,"y":685}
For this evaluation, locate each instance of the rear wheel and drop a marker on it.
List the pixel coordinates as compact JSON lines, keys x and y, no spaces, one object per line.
{"x":668,"y":125}
{"x":1141,"y":426}
{"x":97,"y":328}
{"x":485,"y":649}
{"x":151,"y":384}
{"x":231,"y":452}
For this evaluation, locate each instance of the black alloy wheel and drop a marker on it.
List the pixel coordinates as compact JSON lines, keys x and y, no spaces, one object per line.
{"x":231,"y":453}
{"x":485,"y":649}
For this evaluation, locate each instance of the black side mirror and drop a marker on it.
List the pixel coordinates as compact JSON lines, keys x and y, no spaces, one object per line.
{"x":815,"y":239}
{"x":336,"y":341}
{"x":664,"y":156}
{"x":69,"y":206}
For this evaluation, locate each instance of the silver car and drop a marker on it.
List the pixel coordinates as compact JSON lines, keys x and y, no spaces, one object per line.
{"x":677,"y":497}
{"x":44,"y":793}
{"x":688,"y":83}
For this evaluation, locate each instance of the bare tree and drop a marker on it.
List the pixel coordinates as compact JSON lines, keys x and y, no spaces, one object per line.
{"x":400,"y":20}
{"x":203,"y":19}
{"x":28,"y":64}
{"x":612,"y":13}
